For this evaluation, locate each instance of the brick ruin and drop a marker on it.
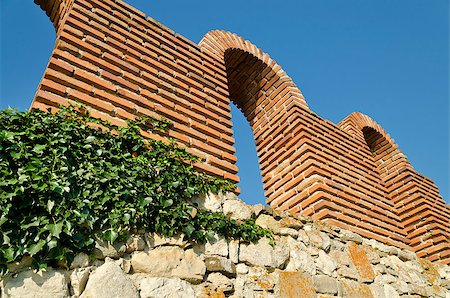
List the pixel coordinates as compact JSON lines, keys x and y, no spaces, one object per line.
{"x":121,"y":64}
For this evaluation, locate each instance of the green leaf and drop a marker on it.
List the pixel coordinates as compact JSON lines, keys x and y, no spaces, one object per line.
{"x":39,"y":148}
{"x":50,"y":205}
{"x":35,"y":248}
{"x":90,"y":139}
{"x":167,"y":203}
{"x":55,"y":229}
{"x":110,"y":235}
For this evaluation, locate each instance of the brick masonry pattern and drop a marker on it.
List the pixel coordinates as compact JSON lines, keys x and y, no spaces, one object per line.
{"x":121,"y":64}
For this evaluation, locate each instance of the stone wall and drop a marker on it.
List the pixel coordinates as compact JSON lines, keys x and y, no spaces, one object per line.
{"x":307,"y":259}
{"x":121,"y":64}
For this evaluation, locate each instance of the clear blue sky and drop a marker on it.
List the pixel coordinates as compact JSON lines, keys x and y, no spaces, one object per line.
{"x":387,"y":59}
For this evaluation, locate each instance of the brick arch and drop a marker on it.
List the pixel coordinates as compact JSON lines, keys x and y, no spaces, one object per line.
{"x":267,"y":96}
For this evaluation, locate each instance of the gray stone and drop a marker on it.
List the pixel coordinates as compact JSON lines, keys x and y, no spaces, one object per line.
{"x":135,"y":243}
{"x":268,"y":222}
{"x":236,"y":209}
{"x":241,"y":268}
{"x":350,"y":236}
{"x":155,"y":240}
{"x":325,"y":284}
{"x":105,"y":249}
{"x":109,"y":281}
{"x":233,"y":251}
{"x":160,"y":287}
{"x":209,"y":201}
{"x":262,"y":209}
{"x":299,"y":259}
{"x":220,"y":282}
{"x":44,"y":283}
{"x":191,"y":268}
{"x":81,"y":260}
{"x":325,"y":263}
{"x":157,"y":262}
{"x":262,"y":253}
{"x":216,"y":246}
{"x":288,"y":232}
{"x":220,"y":264}
{"x":78,"y":280}
{"x":340,"y":258}
{"x":348,"y":272}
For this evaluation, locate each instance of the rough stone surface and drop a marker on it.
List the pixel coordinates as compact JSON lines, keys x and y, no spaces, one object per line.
{"x":325,"y":263}
{"x":236,"y":209}
{"x":48,"y":283}
{"x":307,"y":259}
{"x":80,"y":260}
{"x":263,"y":254}
{"x":160,"y":287}
{"x":325,"y":284}
{"x":104,"y":249}
{"x":157,"y":262}
{"x":217,"y":246}
{"x":220,"y":264}
{"x":78,"y":280}
{"x":268,"y":222}
{"x":208,"y":201}
{"x":107,"y":281}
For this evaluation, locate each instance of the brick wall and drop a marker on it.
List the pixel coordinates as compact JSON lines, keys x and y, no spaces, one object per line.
{"x":122,"y":64}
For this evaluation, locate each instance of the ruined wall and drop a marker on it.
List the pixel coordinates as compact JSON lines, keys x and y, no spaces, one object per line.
{"x":113,"y":59}
{"x":309,"y":259}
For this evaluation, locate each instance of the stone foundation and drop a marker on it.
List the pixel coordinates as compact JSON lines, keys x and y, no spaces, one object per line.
{"x":307,"y":259}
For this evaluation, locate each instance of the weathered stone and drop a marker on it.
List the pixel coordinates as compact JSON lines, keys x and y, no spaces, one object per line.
{"x":105,"y":249}
{"x":350,"y":236}
{"x":262,"y":209}
{"x":268,"y":222}
{"x":192,"y":268}
{"x":263,"y":254}
{"x":241,"y":268}
{"x":81,"y":260}
{"x":220,"y":282}
{"x":216,"y":246}
{"x":109,"y":281}
{"x":353,"y":289}
{"x":135,"y":243}
{"x":288,"y":232}
{"x":325,"y":284}
{"x":155,"y":240}
{"x":259,"y":279}
{"x":299,"y":259}
{"x":157,"y":262}
{"x":292,"y":223}
{"x":361,"y":262}
{"x":233,"y":251}
{"x":325,"y":263}
{"x":209,"y":201}
{"x":44,"y":283}
{"x":78,"y":280}
{"x":340,"y":258}
{"x":319,"y":239}
{"x":25,"y":262}
{"x":348,"y":272}
{"x":160,"y":287}
{"x":295,"y":284}
{"x":236,"y":209}
{"x":220,"y":264}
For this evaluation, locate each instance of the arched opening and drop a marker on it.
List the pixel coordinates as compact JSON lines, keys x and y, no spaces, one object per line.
{"x":247,"y":160}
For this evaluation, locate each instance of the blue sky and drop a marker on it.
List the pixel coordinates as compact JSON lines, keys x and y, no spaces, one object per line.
{"x":387,"y":59}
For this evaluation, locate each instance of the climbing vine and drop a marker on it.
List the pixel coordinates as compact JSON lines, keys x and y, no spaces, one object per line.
{"x":68,"y":178}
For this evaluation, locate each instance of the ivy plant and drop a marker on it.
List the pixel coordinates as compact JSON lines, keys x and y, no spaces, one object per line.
{"x":67,"y":178}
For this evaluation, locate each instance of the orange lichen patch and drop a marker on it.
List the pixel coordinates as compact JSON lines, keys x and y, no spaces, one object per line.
{"x":353,"y":289}
{"x":264,"y":281}
{"x":359,"y":258}
{"x":430,"y":270}
{"x":296,"y":284}
{"x":290,"y":222}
